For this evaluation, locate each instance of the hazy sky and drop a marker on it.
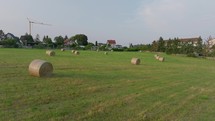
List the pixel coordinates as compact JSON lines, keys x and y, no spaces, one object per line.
{"x":126,"y":21}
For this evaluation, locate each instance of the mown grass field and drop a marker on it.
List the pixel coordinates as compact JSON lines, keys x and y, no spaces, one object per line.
{"x":97,"y":87}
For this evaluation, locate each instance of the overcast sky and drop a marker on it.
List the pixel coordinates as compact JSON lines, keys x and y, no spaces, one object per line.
{"x":126,"y":21}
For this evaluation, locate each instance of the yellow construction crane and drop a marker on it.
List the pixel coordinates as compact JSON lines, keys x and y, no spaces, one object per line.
{"x":33,"y":22}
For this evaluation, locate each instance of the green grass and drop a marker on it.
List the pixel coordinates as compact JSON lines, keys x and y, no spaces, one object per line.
{"x":97,"y":87}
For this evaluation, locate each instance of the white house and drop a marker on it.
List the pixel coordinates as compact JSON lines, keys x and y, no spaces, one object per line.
{"x":211,"y":43}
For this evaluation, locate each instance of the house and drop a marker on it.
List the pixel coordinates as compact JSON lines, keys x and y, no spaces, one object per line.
{"x":69,"y":42}
{"x":5,"y":38}
{"x":27,"y":40}
{"x":24,"y":40}
{"x":119,"y":46}
{"x":2,"y":37}
{"x":211,"y":42}
{"x":112,"y":43}
{"x":191,"y":41}
{"x":101,"y":44}
{"x":8,"y":36}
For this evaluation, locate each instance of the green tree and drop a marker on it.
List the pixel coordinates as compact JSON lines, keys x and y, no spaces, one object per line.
{"x":59,"y":41}
{"x":96,"y":43}
{"x":169,"y":47}
{"x":199,"y":46}
{"x":207,"y":47}
{"x":183,"y":48}
{"x":66,"y":37}
{"x":145,"y":47}
{"x":47,"y":40}
{"x":161,"y":45}
{"x":80,"y":39}
{"x":131,"y":45}
{"x":89,"y":46}
{"x":10,"y":43}
{"x":175,"y":46}
{"x":1,"y":33}
{"x":154,"y":47}
{"x":37,"y":38}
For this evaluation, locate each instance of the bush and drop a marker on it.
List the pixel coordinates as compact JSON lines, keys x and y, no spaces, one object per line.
{"x":191,"y":55}
{"x":117,"y":49}
{"x":132,"y":49}
{"x":40,"y":46}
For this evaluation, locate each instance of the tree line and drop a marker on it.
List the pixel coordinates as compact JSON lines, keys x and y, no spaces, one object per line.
{"x":170,"y":46}
{"x":58,"y":42}
{"x":28,"y":41}
{"x":177,"y":46}
{"x":191,"y":47}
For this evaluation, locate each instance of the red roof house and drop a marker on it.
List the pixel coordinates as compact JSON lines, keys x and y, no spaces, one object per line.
{"x":112,"y":43}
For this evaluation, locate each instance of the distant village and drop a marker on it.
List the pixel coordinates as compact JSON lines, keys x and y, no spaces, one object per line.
{"x":9,"y":40}
{"x":194,"y":46}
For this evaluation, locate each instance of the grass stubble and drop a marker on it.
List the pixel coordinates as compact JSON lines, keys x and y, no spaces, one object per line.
{"x":94,"y":86}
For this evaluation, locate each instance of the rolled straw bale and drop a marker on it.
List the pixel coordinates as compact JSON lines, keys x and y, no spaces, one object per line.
{"x":50,"y":52}
{"x":157,"y":57}
{"x":161,"y":59}
{"x":77,"y":53}
{"x":73,"y":51}
{"x":40,"y":68}
{"x":62,"y":49}
{"x":135,"y":61}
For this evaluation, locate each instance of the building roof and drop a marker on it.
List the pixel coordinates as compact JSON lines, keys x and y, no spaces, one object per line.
{"x":189,"y":39}
{"x":8,"y":36}
{"x":23,"y":37}
{"x":111,"y":42}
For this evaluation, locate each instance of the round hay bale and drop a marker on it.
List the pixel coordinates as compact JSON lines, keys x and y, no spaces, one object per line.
{"x":135,"y":61}
{"x":161,"y":59}
{"x":62,"y":49}
{"x":157,"y":57}
{"x":73,"y":51}
{"x":106,"y":53}
{"x":40,"y":68}
{"x":50,"y":53}
{"x":77,"y":53}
